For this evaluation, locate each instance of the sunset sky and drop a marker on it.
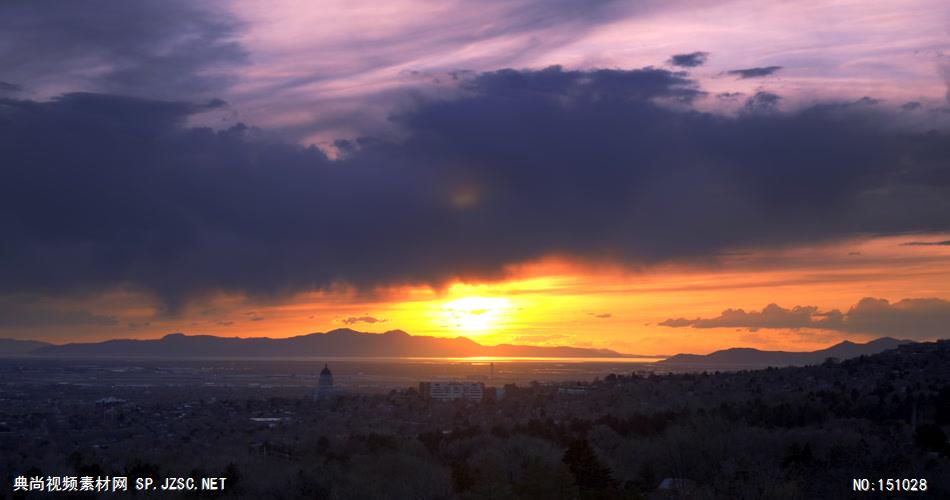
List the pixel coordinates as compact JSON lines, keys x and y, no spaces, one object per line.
{"x":652,"y":177}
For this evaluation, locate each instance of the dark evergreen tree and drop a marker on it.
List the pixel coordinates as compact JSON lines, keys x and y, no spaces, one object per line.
{"x":931,"y":437}
{"x":463,"y":477}
{"x":589,"y":473}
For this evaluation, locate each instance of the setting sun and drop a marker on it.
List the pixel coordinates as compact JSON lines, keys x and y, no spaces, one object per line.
{"x":476,"y":314}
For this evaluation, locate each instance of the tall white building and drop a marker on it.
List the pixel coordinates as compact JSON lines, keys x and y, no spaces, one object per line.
{"x":325,"y":386}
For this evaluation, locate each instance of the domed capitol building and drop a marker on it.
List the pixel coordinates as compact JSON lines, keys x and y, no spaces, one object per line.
{"x":325,"y":386}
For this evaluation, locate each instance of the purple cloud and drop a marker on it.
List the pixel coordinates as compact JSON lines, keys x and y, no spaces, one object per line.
{"x":908,"y":318}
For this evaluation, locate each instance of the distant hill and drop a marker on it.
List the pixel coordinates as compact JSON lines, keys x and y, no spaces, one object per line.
{"x":744,"y":356}
{"x":13,"y":347}
{"x":341,"y":342}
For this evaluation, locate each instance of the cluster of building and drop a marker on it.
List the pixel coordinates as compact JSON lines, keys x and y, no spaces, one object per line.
{"x":435,"y":391}
{"x":449,"y":391}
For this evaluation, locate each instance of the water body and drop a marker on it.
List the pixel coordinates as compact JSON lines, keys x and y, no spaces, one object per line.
{"x":350,"y":373}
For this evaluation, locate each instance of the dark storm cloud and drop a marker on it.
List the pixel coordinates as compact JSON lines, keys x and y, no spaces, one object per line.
{"x":729,"y":96}
{"x":691,"y":60}
{"x":155,"y":48}
{"x":10,"y":87}
{"x":926,"y":243}
{"x":907,"y":318}
{"x":866,"y":101}
{"x":911,"y":106}
{"x":352,"y":320}
{"x":945,"y":70}
{"x":27,"y":314}
{"x":754,"y":72}
{"x":583,"y":87}
{"x":761,"y":102}
{"x":98,"y":191}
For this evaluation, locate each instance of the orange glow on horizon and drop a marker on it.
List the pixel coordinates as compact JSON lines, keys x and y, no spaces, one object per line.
{"x":556,"y":301}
